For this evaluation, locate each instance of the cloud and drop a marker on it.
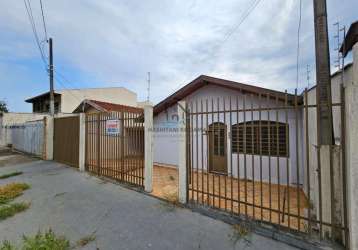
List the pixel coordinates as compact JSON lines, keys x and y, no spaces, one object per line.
{"x":115,"y":43}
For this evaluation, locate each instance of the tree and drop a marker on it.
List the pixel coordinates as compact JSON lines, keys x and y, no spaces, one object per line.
{"x":3,"y":107}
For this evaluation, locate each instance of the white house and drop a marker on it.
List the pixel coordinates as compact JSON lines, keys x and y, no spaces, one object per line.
{"x":205,"y":96}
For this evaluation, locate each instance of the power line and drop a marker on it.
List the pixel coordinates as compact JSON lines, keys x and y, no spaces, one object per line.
{"x":243,"y":18}
{"x":40,"y":44}
{"x":298,"y":43}
{"x":65,"y":79}
{"x":69,"y":90}
{"x":43,"y":19}
{"x":34,"y":31}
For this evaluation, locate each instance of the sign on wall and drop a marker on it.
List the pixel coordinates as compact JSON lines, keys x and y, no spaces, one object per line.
{"x":112,"y":127}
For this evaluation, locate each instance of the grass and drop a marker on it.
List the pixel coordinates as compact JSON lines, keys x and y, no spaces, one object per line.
{"x":8,"y":193}
{"x":241,"y":232}
{"x":40,"y":241}
{"x":8,"y":210}
{"x":11,"y":191}
{"x":4,"y":176}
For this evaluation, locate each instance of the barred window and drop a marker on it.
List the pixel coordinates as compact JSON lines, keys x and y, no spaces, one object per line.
{"x":265,"y":138}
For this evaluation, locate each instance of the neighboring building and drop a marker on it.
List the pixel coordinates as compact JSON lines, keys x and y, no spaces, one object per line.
{"x":94,"y":106}
{"x":66,"y":101}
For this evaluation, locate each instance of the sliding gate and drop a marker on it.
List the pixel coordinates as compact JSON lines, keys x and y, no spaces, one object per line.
{"x":115,"y":145}
{"x":256,"y":156}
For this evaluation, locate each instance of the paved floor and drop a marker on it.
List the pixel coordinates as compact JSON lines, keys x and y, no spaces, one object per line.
{"x":76,"y":204}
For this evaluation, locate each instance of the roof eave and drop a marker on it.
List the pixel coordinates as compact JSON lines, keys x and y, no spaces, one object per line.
{"x":350,"y":39}
{"x":204,"y":80}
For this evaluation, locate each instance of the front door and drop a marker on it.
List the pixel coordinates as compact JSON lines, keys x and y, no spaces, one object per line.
{"x":217,"y":148}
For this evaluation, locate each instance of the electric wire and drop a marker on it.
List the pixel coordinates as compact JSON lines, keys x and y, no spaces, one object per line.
{"x":43,"y":20}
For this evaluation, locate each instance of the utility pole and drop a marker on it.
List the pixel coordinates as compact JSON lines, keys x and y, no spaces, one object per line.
{"x":328,"y":168}
{"x":52,"y":98}
{"x":323,"y":74}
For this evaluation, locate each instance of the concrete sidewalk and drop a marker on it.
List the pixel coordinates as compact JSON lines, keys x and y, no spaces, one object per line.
{"x":76,"y":205}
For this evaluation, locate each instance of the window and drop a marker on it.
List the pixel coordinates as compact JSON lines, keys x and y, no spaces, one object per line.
{"x":269,"y":135}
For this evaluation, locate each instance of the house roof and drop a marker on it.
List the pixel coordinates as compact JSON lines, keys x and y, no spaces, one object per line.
{"x":204,"y":80}
{"x":41,"y":96}
{"x":105,"y":107}
{"x":350,"y":40}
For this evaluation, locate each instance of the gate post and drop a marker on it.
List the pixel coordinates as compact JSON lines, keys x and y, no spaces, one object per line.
{"x":182,"y":152}
{"x":351,"y":100}
{"x":49,"y":133}
{"x":148,"y":148}
{"x":82,"y":142}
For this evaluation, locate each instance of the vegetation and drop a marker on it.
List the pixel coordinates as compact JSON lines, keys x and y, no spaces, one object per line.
{"x":11,"y":191}
{"x":85,"y":240}
{"x":3,"y":107}
{"x":8,"y":193}
{"x":46,"y":241}
{"x":8,"y":210}
{"x":241,"y":232}
{"x":4,"y":176}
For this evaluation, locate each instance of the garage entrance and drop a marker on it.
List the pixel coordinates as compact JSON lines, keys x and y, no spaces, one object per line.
{"x":66,"y":140}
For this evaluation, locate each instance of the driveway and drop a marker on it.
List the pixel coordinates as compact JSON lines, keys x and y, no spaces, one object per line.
{"x":76,"y":205}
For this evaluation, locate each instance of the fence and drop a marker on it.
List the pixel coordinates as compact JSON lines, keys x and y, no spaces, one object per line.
{"x":115,"y":145}
{"x":28,"y":137}
{"x":254,"y":156}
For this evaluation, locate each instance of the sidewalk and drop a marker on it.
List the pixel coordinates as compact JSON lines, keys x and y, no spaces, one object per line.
{"x":76,"y":205}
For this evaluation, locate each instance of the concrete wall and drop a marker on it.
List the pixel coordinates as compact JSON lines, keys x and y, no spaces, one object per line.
{"x":70,"y":99}
{"x":312,"y":140}
{"x":166,"y":139}
{"x":351,"y":91}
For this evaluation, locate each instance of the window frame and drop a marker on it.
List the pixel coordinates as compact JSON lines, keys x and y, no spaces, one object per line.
{"x":237,"y":139}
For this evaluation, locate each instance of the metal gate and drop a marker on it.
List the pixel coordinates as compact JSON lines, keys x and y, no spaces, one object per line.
{"x":115,"y":145}
{"x":66,"y":140}
{"x":256,"y":156}
{"x":28,"y":137}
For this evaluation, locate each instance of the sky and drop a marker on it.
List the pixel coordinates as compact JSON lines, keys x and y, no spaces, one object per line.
{"x":115,"y":43}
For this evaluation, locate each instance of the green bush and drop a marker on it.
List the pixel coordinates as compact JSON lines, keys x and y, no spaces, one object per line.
{"x":9,"y":210}
{"x":46,"y":241}
{"x":4,"y":176}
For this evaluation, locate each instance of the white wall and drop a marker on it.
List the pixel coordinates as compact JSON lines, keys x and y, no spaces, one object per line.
{"x":166,"y":142}
{"x":70,"y":99}
{"x":312,"y":130}
{"x":164,"y":139}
